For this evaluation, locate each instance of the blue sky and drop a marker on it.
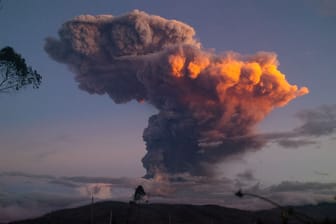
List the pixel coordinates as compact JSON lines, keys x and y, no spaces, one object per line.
{"x":60,"y":130}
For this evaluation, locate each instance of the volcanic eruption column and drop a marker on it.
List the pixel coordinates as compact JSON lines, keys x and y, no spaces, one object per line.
{"x":208,"y":104}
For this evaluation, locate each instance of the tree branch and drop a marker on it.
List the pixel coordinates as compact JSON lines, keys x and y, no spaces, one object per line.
{"x":7,"y":87}
{"x":6,"y":75}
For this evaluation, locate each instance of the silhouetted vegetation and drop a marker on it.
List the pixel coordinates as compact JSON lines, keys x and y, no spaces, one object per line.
{"x":14,"y":72}
{"x":139,"y":194}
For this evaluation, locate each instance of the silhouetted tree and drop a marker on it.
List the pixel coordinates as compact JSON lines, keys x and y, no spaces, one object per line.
{"x":14,"y":72}
{"x":139,"y":194}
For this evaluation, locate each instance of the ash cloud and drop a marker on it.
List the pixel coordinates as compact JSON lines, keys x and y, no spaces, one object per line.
{"x":208,"y":103}
{"x":315,"y":123}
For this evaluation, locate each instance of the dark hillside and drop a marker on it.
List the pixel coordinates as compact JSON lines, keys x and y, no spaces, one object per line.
{"x":171,"y":213}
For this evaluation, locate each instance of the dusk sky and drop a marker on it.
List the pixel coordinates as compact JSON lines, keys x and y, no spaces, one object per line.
{"x":51,"y":135}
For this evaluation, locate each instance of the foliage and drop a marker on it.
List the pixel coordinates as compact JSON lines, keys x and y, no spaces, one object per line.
{"x":14,"y":72}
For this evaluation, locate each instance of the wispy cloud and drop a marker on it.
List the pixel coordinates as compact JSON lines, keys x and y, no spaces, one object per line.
{"x":295,"y":143}
{"x":321,"y":173}
{"x":247,"y":175}
{"x":296,"y":186}
{"x":26,"y":195}
{"x":28,"y":175}
{"x":315,"y":123}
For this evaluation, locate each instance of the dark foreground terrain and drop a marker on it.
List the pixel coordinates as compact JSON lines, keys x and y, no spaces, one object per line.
{"x":120,"y":212}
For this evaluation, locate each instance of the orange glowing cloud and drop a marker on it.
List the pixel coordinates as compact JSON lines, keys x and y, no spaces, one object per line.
{"x":197,"y":65}
{"x":254,"y":78}
{"x":177,"y":63}
{"x":249,"y":85}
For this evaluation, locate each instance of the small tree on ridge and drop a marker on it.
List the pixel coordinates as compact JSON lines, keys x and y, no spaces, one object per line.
{"x":14,"y":72}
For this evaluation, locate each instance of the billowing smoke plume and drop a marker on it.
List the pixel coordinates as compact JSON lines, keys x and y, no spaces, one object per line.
{"x":208,"y":104}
